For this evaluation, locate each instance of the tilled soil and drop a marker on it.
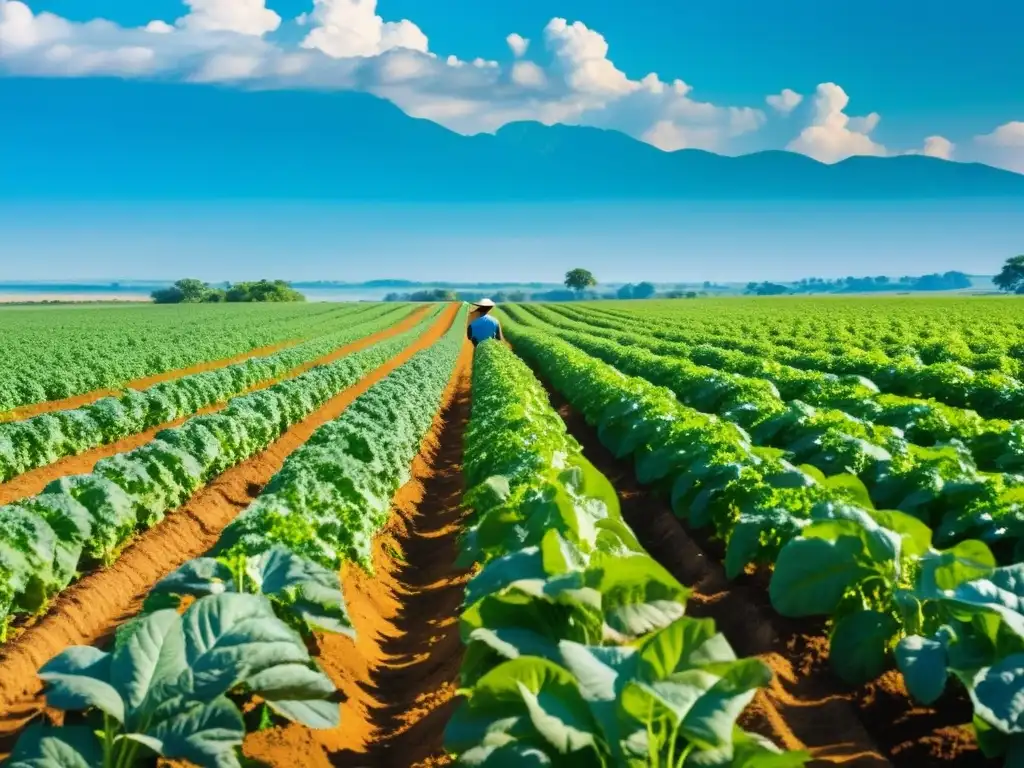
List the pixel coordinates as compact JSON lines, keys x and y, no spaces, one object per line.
{"x":34,"y":481}
{"x":806,"y":706}
{"x":92,"y":608}
{"x":398,"y":677}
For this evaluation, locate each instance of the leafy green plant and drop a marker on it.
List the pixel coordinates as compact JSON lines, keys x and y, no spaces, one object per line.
{"x":163,"y":689}
{"x":304,"y":594}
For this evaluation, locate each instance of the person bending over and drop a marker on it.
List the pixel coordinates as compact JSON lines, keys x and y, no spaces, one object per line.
{"x":484,"y":327}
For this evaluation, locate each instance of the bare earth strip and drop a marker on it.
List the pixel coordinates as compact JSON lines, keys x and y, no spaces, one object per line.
{"x":399,"y":676}
{"x":90,"y":610}
{"x":34,"y":481}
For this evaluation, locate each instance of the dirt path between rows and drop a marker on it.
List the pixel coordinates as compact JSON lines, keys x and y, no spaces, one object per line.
{"x":399,"y":677}
{"x":33,"y":482}
{"x":92,"y":608}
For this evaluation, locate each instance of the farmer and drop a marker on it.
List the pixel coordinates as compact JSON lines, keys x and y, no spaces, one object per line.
{"x":484,"y":326}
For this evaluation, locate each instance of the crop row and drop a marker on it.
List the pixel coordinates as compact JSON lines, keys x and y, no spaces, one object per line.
{"x":992,"y":392}
{"x":577,"y":648}
{"x":940,"y":486}
{"x":49,"y":354}
{"x":43,"y":439}
{"x":890,"y":593}
{"x":975,"y":333}
{"x":271,"y":580}
{"x":45,"y":540}
{"x":998,"y":445}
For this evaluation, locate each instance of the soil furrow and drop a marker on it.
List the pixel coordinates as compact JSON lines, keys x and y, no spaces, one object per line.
{"x":804,"y":708}
{"x":92,"y":608}
{"x":33,"y":482}
{"x":399,"y":677}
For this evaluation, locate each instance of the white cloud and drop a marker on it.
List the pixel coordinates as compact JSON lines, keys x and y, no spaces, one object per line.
{"x":528,"y":75}
{"x":784,"y":102}
{"x":347,"y":45}
{"x":938,"y":146}
{"x":833,"y":135}
{"x":1003,"y":147}
{"x":348,"y":28}
{"x":245,"y":17}
{"x":518,"y":44}
{"x":159,"y":27}
{"x":21,"y":29}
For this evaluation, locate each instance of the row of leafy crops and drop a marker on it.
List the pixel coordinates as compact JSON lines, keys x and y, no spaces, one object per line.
{"x":994,"y":391}
{"x":577,"y":648}
{"x":77,"y":521}
{"x":995,"y":443}
{"x":43,"y":439}
{"x":49,"y":354}
{"x":940,"y":485}
{"x":972,"y":332}
{"x":893,"y":597}
{"x":174,"y":686}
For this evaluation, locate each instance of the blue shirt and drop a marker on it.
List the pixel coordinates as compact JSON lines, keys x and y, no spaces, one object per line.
{"x":483,"y":328}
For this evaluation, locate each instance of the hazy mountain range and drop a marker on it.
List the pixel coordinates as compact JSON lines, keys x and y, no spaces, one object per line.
{"x":202,"y":142}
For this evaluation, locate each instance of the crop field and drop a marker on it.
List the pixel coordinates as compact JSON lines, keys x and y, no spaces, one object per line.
{"x":747,"y":533}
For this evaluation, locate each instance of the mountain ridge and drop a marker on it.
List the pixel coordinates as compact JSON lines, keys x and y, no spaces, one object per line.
{"x":122,"y":138}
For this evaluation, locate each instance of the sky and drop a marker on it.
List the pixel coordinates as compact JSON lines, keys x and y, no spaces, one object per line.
{"x":829,"y":80}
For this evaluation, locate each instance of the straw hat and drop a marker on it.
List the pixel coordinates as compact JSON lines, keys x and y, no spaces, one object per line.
{"x":483,"y":303}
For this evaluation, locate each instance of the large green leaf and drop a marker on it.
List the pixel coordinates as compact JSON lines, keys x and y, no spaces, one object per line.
{"x":203,"y":732}
{"x":996,"y":693}
{"x":922,"y":661}
{"x":685,"y":643}
{"x":711,"y":720}
{"x":506,"y":756}
{"x":67,"y":747}
{"x":309,"y":589}
{"x":860,"y":643}
{"x":147,"y":662}
{"x":811,"y":575}
{"x":79,"y":678}
{"x":231,"y":636}
{"x":638,"y":595}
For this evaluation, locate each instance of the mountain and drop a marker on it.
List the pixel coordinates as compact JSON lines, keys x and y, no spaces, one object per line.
{"x":96,"y":139}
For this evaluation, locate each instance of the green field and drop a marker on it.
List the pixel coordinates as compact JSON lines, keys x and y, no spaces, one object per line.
{"x":641,"y":533}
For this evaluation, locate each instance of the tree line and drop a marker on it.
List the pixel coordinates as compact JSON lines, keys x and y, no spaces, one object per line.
{"x":192,"y":291}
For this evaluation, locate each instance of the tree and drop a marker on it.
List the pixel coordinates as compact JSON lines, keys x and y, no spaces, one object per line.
{"x":625,"y":292}
{"x":579,"y":280}
{"x":691,"y":294}
{"x":1011,"y":278}
{"x":187,"y":291}
{"x":644,"y":291}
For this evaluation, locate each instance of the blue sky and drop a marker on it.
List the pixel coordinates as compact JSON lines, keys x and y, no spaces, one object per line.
{"x":829,"y":80}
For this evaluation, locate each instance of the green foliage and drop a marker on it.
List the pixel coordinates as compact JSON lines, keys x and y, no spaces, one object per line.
{"x":579,"y":280}
{"x":784,"y":483}
{"x":90,"y":517}
{"x":1011,"y":276}
{"x":577,"y":650}
{"x":41,"y":440}
{"x":164,"y":688}
{"x":262,"y":290}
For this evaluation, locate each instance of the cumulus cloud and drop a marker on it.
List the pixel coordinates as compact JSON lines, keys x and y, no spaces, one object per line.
{"x":833,"y":135}
{"x":348,"y":28}
{"x":245,"y":17}
{"x":518,"y":44}
{"x":1004,"y":146}
{"x":784,"y":102}
{"x":348,"y":45}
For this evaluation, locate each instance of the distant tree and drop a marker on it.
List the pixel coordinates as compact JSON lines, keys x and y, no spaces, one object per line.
{"x":691,"y":294}
{"x":263,"y":291}
{"x":579,"y":280}
{"x":752,"y":287}
{"x":708,"y":284}
{"x":1011,"y":277}
{"x":625,"y":292}
{"x":770,"y":289}
{"x":516,"y":296}
{"x":644,"y":290}
{"x":187,"y":291}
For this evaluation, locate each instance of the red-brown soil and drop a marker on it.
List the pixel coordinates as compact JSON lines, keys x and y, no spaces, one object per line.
{"x":89,"y":611}
{"x":34,"y":481}
{"x":398,"y":677}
